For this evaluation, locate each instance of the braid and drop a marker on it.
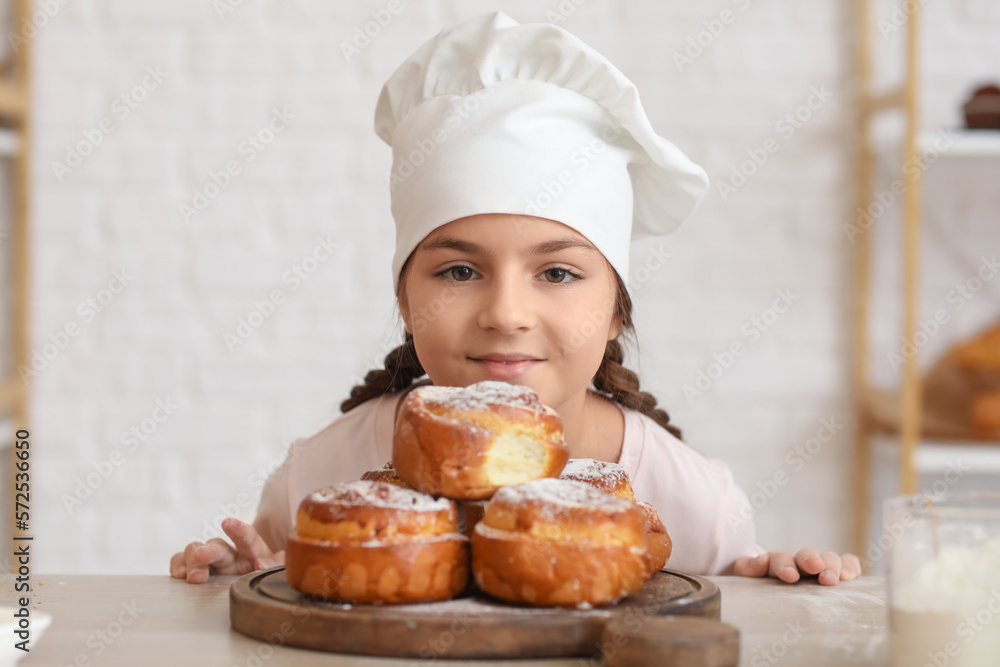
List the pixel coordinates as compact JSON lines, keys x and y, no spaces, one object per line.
{"x":401,"y":368}
{"x":622,"y":386}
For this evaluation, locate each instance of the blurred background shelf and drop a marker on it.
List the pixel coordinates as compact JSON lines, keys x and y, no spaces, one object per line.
{"x":967,"y":143}
{"x":15,"y":95}
{"x":902,"y":418}
{"x":10,"y":143}
{"x":11,"y":394}
{"x":936,"y":456}
{"x":880,"y":408}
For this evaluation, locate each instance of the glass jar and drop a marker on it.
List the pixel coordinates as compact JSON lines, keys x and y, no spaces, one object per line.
{"x":943,"y":578}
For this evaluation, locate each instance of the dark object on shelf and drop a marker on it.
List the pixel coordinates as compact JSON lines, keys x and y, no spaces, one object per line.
{"x":982,"y":110}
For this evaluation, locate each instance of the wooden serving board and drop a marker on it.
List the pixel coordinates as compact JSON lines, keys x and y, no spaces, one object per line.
{"x":262,"y":605}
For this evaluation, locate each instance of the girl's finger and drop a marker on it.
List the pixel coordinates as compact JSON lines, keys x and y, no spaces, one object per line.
{"x":783,"y":567}
{"x":810,"y":562}
{"x":830,"y":575}
{"x":212,"y":552}
{"x":850,"y":567}
{"x":248,"y":542}
{"x":223,"y":555}
{"x":265,"y":562}
{"x":197,"y":571}
{"x":278,"y":558}
{"x":177,"y":568}
{"x":750,"y":566}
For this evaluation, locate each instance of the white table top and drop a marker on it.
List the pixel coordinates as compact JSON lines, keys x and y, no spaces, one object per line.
{"x":157,"y":620}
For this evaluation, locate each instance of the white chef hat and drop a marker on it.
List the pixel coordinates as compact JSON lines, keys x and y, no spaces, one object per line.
{"x":494,"y":116}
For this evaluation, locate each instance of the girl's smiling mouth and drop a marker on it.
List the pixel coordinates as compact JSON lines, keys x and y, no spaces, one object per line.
{"x":505,"y":366}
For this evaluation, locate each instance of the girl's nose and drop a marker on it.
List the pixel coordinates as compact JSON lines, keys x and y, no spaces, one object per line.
{"x":507,"y":306}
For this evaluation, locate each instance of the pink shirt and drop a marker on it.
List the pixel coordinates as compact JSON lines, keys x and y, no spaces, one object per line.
{"x":706,"y":514}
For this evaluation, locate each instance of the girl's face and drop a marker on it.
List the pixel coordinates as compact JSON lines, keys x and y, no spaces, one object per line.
{"x":491,"y":288}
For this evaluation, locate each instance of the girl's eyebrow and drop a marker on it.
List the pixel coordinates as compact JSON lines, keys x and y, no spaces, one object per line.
{"x":555,"y":245}
{"x":445,"y":242}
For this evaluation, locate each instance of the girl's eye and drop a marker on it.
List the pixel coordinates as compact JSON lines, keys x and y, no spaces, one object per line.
{"x":458,"y":273}
{"x":557,"y":275}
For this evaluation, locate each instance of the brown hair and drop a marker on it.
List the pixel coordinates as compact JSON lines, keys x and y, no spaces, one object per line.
{"x":612,"y":380}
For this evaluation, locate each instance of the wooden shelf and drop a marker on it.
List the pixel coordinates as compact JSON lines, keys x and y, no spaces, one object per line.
{"x":937,"y":456}
{"x":967,"y":144}
{"x":13,"y":101}
{"x":10,"y":143}
{"x":15,"y":144}
{"x":970,"y":143}
{"x":11,"y":392}
{"x":881,"y":407}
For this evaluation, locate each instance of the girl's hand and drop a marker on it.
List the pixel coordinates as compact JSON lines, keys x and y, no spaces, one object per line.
{"x":200,"y":559}
{"x":830,"y":567}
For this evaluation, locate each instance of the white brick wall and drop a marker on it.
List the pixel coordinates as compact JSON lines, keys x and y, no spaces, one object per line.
{"x":162,"y":336}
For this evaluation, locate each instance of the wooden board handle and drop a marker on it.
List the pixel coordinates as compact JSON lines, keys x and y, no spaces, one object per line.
{"x":669,"y":641}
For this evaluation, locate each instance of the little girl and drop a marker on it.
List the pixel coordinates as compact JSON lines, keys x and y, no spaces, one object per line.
{"x":523,"y":164}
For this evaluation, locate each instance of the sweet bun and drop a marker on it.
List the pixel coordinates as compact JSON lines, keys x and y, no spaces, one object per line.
{"x":469,"y":511}
{"x":658,"y":540}
{"x":603,"y":475}
{"x":385,"y":474}
{"x":982,"y":353}
{"x":612,"y":478}
{"x":373,"y":542}
{"x":984,"y":411}
{"x":559,"y":542}
{"x":467,"y":442}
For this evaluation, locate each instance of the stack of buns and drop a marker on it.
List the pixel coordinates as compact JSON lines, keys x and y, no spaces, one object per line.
{"x":480,"y":482}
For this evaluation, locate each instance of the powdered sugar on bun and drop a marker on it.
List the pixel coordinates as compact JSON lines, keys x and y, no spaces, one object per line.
{"x":378,"y":494}
{"x":482,"y":395}
{"x":561,"y":495}
{"x":595,"y":473}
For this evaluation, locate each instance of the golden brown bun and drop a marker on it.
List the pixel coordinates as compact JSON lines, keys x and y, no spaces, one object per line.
{"x":366,"y":510}
{"x":557,"y":542}
{"x":415,"y":570}
{"x":612,"y":478}
{"x":982,"y":353}
{"x":373,"y":542}
{"x":604,"y":475}
{"x":470,"y":512}
{"x":659,"y":543}
{"x":385,"y":474}
{"x":984,"y":412}
{"x":468,"y":442}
